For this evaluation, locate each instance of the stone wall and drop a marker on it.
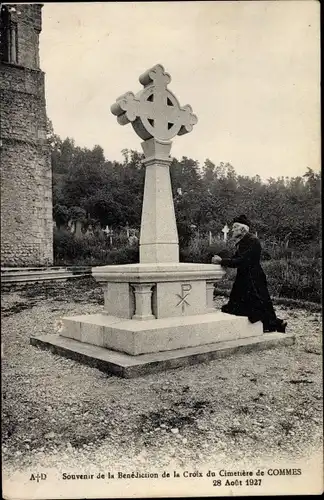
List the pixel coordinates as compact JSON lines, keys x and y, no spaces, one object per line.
{"x":26,"y":176}
{"x":29,"y":23}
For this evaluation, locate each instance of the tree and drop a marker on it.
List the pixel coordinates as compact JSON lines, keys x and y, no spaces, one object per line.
{"x":111,"y":193}
{"x":208,"y":171}
{"x":61,"y":215}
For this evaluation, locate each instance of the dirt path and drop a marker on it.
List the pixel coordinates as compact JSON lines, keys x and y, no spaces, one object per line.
{"x":264,"y":404}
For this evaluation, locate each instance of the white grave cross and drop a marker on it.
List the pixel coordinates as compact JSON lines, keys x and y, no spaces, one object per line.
{"x":127,"y":230}
{"x":225,"y":231}
{"x":106,"y":230}
{"x":154,"y":111}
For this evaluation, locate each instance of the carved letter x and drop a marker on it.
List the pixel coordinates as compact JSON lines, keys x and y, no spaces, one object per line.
{"x":185,"y":291}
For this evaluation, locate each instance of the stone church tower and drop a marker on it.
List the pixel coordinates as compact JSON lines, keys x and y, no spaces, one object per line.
{"x":26,"y":176}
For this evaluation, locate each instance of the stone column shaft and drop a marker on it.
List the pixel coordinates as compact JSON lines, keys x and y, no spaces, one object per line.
{"x":159,"y":236}
{"x":210,"y":296}
{"x":143,"y":301}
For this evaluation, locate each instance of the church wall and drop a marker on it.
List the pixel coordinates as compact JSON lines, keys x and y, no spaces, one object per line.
{"x":26,"y":177}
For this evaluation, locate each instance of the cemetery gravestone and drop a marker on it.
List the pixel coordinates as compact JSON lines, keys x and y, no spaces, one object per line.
{"x":132,"y":239}
{"x":106,"y":231}
{"x":225,"y":231}
{"x":78,"y":229}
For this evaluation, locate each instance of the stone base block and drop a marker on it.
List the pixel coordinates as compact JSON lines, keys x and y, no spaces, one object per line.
{"x":127,"y":366}
{"x":165,"y":334}
{"x":158,"y":272}
{"x":161,"y":290}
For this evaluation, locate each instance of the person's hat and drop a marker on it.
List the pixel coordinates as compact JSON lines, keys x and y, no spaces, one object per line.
{"x":242,"y":219}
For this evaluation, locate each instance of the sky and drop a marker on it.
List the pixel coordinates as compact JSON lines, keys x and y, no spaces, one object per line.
{"x":250,"y":70}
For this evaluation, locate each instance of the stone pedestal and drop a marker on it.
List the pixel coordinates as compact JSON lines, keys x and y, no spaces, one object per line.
{"x":156,"y":317}
{"x":157,"y":291}
{"x":157,"y":307}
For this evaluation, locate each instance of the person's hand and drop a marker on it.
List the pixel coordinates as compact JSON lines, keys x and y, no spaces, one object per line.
{"x":216,"y":259}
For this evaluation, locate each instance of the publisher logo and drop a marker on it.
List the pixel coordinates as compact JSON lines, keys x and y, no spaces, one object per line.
{"x":38,"y":477}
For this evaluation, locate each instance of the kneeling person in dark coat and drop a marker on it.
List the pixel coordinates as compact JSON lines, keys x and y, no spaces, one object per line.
{"x":249,"y":296}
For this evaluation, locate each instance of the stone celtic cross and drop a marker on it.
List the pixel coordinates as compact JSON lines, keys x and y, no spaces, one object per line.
{"x":154,"y":112}
{"x":157,"y":117}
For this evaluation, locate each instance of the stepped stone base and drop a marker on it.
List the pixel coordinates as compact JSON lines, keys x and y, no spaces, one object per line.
{"x":129,"y":366}
{"x":165,"y":334}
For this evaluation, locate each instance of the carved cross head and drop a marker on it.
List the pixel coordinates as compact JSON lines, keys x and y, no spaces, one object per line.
{"x":154,"y":111}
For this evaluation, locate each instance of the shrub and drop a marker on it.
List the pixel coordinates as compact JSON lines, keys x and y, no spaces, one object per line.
{"x":66,"y":246}
{"x":199,"y":250}
{"x":90,"y":250}
{"x":276,"y":250}
{"x":125,"y":255}
{"x":301,"y":279}
{"x":295,"y":279}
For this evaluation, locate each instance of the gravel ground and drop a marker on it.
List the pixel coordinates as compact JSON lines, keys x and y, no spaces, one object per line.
{"x":256,"y":406}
